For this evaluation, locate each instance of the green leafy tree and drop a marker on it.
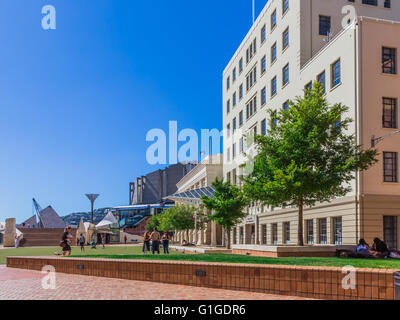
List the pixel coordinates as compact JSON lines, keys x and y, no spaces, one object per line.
{"x":154,"y":222}
{"x":227,"y":205}
{"x":180,"y":217}
{"x":306,"y":156}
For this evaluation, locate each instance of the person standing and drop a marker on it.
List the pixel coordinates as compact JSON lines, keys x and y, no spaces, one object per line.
{"x":82,"y":242}
{"x":146,"y":242}
{"x":125,"y":238}
{"x":165,"y":242}
{"x":66,"y":239}
{"x":103,"y":241}
{"x":155,"y":241}
{"x":16,"y":242}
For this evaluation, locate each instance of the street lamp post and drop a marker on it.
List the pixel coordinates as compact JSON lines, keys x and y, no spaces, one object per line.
{"x":375,"y":141}
{"x":92,"y":198}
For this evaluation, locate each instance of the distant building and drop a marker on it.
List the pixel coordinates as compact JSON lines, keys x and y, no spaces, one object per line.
{"x":153,"y":187}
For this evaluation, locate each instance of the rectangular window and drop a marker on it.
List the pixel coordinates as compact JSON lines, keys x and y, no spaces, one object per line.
{"x":285,"y":75}
{"x":263,"y":96}
{"x":263,"y":64}
{"x":228,"y":106}
{"x":228,"y":130}
{"x":389,"y":60}
{"x":390,"y":231}
{"x":251,"y":107}
{"x":264,"y":234}
{"x":387,"y":4}
{"x":286,"y":232}
{"x":335,"y":72}
{"x":241,"y":91}
{"x":234,"y":125}
{"x":389,"y":116}
{"x":324,"y":25}
{"x":322,"y":229}
{"x":228,"y":83}
{"x":390,"y":167}
{"x":285,"y":39}
{"x":308,"y":86}
{"x":234,"y":236}
{"x":370,"y":2}
{"x":234,"y":99}
{"x":285,"y":6}
{"x":241,"y":235}
{"x":263,"y":34}
{"x":273,"y":53}
{"x":273,"y":87}
{"x":285,"y":106}
{"x":337,"y":231}
{"x":241,"y":65}
{"x":234,"y":151}
{"x":273,"y":19}
{"x":321,"y":79}
{"x":274,"y":234}
{"x":251,"y":78}
{"x":263,"y":127}
{"x":310,"y":231}
{"x":234,"y":75}
{"x":241,"y":118}
{"x":241,"y":145}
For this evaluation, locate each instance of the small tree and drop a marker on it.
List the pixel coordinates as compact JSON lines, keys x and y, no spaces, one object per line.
{"x":154,"y":222}
{"x":306,"y":156}
{"x":180,"y":217}
{"x":227,"y":204}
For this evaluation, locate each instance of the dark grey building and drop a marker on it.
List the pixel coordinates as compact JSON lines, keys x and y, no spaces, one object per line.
{"x":153,"y":187}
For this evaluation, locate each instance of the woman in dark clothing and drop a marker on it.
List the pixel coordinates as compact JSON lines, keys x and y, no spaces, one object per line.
{"x":165,"y":242}
{"x":146,"y":243}
{"x":380,"y":247}
{"x":66,"y":240}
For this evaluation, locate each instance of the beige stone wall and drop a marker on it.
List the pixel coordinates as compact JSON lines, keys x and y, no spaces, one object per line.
{"x":10,"y":233}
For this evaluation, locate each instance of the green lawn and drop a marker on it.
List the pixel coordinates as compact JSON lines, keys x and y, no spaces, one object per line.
{"x":134,"y":252}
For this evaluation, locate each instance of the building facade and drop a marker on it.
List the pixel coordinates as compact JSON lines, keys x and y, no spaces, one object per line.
{"x":155,"y":186}
{"x":195,"y":184}
{"x":291,"y":45}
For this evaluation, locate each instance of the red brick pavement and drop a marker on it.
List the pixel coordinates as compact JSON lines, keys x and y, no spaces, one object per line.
{"x":17,"y":284}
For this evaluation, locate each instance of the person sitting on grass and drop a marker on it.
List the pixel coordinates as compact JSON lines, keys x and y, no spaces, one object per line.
{"x":380,"y":248}
{"x":364,"y":250}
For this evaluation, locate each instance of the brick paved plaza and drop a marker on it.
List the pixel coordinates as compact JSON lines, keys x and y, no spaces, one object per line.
{"x":17,"y":284}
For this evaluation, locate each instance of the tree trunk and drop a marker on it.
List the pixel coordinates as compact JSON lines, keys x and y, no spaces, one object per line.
{"x":300,"y":240}
{"x":228,"y":236}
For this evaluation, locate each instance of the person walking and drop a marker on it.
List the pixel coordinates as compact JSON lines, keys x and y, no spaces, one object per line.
{"x":82,"y":242}
{"x":103,"y":241}
{"x":165,"y":242}
{"x":66,"y":240}
{"x":146,"y":242}
{"x":125,"y":238}
{"x":155,"y":241}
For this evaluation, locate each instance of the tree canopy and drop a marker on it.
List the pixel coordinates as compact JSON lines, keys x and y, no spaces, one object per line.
{"x":307,"y":155}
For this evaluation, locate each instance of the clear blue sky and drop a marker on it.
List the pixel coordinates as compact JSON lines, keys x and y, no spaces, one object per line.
{"x":76,"y":102}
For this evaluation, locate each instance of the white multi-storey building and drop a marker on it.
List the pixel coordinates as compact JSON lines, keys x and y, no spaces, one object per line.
{"x":292,"y":44}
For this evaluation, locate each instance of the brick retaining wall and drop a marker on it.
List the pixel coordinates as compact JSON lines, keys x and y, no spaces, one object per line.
{"x":310,"y":282}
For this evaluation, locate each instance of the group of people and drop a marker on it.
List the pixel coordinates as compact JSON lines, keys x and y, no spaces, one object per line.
{"x":379,"y":249}
{"x":66,"y":241}
{"x":156,"y":238}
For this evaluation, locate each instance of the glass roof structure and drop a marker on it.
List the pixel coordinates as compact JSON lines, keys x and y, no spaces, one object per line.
{"x":194,"y":194}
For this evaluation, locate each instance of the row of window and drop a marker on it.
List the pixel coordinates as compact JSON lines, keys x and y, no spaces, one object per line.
{"x":386,"y":4}
{"x":252,"y":48}
{"x":321,"y":238}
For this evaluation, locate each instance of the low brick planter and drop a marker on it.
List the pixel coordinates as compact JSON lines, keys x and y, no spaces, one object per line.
{"x":310,"y":282}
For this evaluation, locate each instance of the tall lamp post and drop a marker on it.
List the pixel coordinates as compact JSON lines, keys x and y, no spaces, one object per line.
{"x":92,"y":198}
